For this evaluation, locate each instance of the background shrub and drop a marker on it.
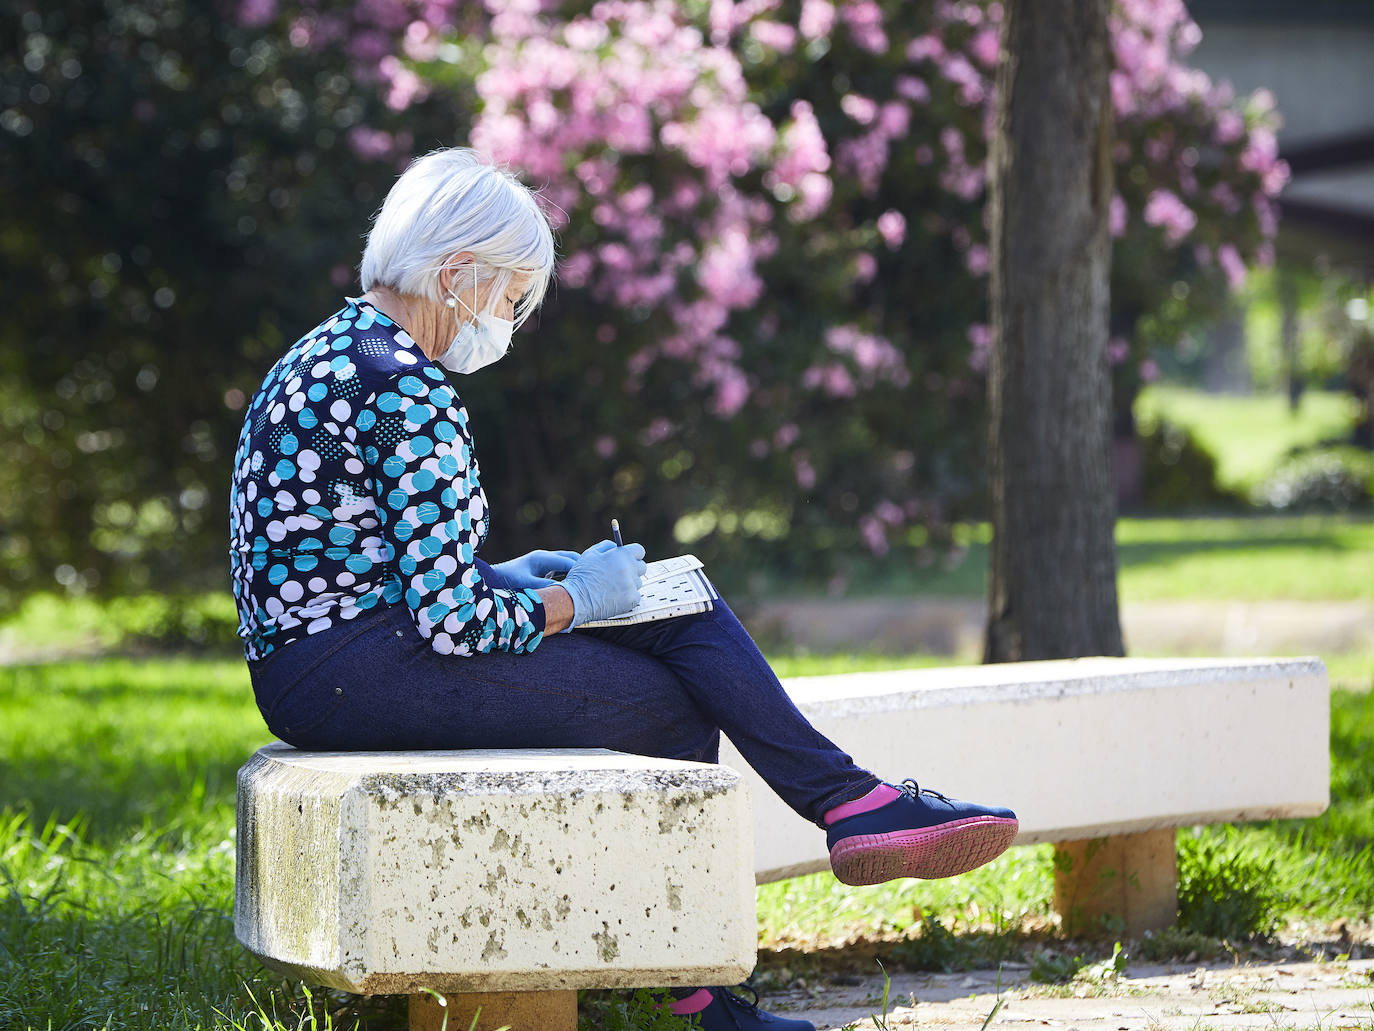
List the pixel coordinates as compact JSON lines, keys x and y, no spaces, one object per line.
{"x":1178,"y":471}
{"x":1325,"y":478}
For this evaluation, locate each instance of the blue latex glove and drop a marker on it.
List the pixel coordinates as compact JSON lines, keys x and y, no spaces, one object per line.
{"x":604,"y":581}
{"x":530,"y":571}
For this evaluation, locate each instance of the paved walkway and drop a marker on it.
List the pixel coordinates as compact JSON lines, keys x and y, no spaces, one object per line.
{"x":954,"y":626}
{"x":1329,"y":996}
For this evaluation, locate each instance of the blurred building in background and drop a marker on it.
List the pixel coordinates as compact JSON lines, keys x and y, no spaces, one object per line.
{"x":1317,"y":58}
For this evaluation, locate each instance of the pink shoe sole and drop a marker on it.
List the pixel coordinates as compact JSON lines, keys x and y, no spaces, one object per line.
{"x":928,"y":852}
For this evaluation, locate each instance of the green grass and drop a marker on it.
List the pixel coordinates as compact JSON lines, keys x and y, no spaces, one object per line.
{"x":1256,"y":558}
{"x":1249,"y":435}
{"x":1240,"y":558}
{"x":116,"y":857}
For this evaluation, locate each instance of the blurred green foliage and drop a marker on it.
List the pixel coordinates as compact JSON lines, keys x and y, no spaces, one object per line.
{"x":184,"y":196}
{"x":1333,"y":479}
{"x":177,"y":193}
{"x":1179,"y":473}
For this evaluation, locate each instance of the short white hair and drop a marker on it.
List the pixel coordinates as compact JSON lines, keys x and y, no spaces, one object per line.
{"x":456,"y":200}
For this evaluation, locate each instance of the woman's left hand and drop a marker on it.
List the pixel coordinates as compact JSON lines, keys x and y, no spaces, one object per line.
{"x":530,"y":571}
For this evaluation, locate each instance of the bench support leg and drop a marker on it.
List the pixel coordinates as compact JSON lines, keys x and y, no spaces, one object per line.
{"x":521,"y":1011}
{"x":1126,"y":883}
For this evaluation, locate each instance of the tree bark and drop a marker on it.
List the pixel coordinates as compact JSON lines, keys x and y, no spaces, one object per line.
{"x":1052,"y":590}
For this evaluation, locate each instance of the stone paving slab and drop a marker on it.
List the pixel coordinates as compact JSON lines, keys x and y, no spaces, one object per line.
{"x":1331,"y":996}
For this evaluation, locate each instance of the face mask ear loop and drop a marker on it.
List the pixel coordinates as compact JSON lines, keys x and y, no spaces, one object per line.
{"x":457,"y":296}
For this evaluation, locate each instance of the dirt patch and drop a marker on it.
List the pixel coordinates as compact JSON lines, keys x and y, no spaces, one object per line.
{"x":1331,"y":996}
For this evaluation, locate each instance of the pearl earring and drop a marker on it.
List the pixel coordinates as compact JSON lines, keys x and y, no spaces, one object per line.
{"x":451,"y":303}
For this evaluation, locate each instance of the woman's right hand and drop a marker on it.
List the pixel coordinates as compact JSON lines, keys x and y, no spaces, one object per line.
{"x":604,"y":581}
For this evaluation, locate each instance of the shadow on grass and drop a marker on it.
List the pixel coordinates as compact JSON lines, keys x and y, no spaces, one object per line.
{"x":1142,"y":553}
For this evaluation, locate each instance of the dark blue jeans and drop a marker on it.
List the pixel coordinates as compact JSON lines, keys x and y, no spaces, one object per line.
{"x":664,"y":689}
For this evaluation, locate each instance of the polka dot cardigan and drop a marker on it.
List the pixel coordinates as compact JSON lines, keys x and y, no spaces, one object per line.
{"x":355,"y":485}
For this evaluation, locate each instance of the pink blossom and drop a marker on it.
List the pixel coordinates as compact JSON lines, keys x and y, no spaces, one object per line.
{"x":406,"y":87}
{"x":370,"y":143}
{"x":732,"y":391}
{"x":817,"y":18}
{"x":985,"y":47}
{"x":605,"y":447}
{"x":727,"y":272}
{"x":254,"y":13}
{"x":1164,"y":209}
{"x":980,"y":336}
{"x":977,"y":260}
{"x":892,"y":228}
{"x":912,"y":89}
{"x":774,"y":35}
{"x":971,"y":82}
{"x":894,"y":119}
{"x":1230,"y":261}
{"x":1117,"y":350}
{"x":865,"y":268}
{"x":1230,"y":127}
{"x":421,"y":41}
{"x":657,"y":431}
{"x":861,"y":109}
{"x":874,"y":535}
{"x":813,"y":196}
{"x":832,"y":379}
{"x":875,"y":357}
{"x":1149,"y":370}
{"x":786,"y":435}
{"x":864,"y":19}
{"x":925,"y":48}
{"x":575,"y":269}
{"x":804,"y":471}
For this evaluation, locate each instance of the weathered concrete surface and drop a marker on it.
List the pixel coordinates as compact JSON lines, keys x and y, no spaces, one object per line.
{"x":1128,"y":877}
{"x":1082,"y":748}
{"x":501,"y":870}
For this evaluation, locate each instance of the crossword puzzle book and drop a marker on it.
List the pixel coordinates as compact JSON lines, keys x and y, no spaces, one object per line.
{"x":671,"y":587}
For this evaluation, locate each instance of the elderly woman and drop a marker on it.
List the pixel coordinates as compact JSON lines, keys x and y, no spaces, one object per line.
{"x":370,"y":622}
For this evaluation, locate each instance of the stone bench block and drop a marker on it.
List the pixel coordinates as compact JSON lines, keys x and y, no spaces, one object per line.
{"x":1081,"y":749}
{"x":494,"y":871}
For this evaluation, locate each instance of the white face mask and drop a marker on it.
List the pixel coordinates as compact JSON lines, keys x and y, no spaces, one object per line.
{"x":478,"y":343}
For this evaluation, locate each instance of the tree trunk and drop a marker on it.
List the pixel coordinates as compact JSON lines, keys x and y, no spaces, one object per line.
{"x":1052,"y":590}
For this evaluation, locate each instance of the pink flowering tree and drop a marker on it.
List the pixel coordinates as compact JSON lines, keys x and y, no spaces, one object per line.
{"x":769,"y":329}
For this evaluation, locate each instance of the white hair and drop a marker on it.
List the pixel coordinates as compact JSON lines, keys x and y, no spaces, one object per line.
{"x":451,"y":201}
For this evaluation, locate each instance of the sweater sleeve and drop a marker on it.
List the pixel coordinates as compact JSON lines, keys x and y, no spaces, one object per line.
{"x":416,"y":444}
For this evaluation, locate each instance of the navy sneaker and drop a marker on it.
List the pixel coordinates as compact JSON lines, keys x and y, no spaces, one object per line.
{"x":728,"y":1012}
{"x":920,"y":834}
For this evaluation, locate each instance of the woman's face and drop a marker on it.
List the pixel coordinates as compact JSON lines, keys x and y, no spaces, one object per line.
{"x":475,"y":299}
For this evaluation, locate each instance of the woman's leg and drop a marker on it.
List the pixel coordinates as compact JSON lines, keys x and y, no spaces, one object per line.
{"x":727,"y":677}
{"x":663,"y":689}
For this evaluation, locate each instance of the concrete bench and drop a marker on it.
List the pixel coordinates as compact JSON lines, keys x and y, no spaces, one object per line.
{"x":1105,"y":757}
{"x":512,"y":878}
{"x":508,"y":878}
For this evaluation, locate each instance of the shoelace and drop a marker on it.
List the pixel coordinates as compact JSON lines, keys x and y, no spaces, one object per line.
{"x":914,"y":791}
{"x":731,"y":999}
